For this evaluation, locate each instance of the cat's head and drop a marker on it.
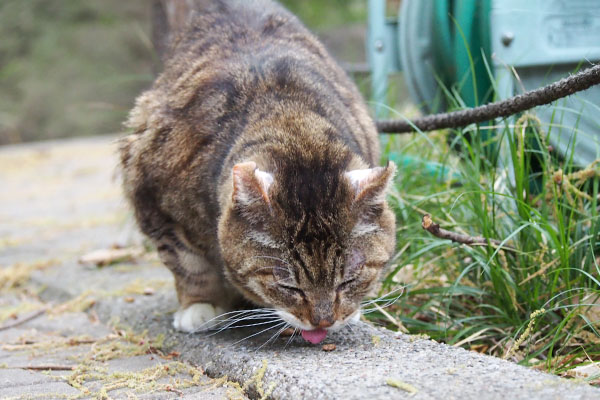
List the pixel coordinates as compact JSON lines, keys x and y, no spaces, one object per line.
{"x":310,"y":241}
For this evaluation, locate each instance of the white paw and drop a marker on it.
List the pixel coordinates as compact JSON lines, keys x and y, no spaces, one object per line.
{"x":196,"y":318}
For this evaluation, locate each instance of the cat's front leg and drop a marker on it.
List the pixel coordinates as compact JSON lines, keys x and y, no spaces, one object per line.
{"x":202,"y":291}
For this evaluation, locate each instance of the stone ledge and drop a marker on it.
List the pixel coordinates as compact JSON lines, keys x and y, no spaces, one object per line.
{"x":357,"y":369}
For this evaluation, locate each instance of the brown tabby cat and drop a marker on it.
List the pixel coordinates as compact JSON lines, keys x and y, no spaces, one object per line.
{"x":252,"y":169}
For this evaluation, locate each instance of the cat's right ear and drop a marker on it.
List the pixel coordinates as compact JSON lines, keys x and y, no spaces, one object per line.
{"x":370,"y":185}
{"x":250,"y":185}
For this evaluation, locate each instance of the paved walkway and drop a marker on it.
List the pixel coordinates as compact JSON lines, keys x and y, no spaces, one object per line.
{"x":59,"y":201}
{"x":105,"y":331}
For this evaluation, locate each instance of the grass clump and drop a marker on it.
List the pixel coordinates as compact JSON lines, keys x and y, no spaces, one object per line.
{"x":534,"y":299}
{"x":19,"y":274}
{"x":71,"y":67}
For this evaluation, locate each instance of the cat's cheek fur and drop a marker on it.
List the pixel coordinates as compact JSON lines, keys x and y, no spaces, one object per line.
{"x":237,"y":263}
{"x":293,"y":320}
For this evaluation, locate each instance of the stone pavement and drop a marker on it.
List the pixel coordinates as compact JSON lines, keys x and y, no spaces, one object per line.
{"x":58,"y":201}
{"x":105,"y":332}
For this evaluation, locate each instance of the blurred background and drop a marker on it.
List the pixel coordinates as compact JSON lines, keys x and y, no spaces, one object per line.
{"x":74,"y":67}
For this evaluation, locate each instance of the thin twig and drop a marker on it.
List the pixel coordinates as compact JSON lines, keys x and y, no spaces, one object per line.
{"x":433,"y":228}
{"x":540,"y":271}
{"x":47,"y":367}
{"x":393,"y":320}
{"x":500,"y":109}
{"x":22,"y":321}
{"x":172,"y":389}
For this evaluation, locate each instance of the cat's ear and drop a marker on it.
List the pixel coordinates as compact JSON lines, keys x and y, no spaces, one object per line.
{"x":250,"y":185}
{"x":370,"y":185}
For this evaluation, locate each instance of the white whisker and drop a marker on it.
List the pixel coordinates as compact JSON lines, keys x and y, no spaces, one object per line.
{"x":291,"y":338}
{"x":387,"y":302}
{"x":272,"y":321}
{"x":274,"y":337}
{"x":286,"y":280}
{"x":385,"y":297}
{"x":349,"y":325}
{"x":217,"y":320}
{"x":377,"y":308}
{"x":230,"y":322}
{"x":245,"y":316}
{"x":266,"y":267}
{"x":258,"y":333}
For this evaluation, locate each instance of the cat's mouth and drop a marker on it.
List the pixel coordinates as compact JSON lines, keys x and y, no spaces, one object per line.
{"x":314,"y":336}
{"x":309,"y":333}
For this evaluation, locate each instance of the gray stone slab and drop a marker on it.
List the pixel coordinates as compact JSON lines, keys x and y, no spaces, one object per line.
{"x":196,"y":393}
{"x":134,"y":364}
{"x":36,"y":357}
{"x":68,"y":325}
{"x":16,"y":383}
{"x":15,"y":334}
{"x":204,"y":391}
{"x":75,"y":279}
{"x":10,"y":377}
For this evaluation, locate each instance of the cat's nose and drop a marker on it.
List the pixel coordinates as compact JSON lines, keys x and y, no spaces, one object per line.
{"x":322,"y":314}
{"x":324,"y":324}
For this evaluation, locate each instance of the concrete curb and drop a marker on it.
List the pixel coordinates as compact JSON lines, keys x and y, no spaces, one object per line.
{"x":364,"y":360}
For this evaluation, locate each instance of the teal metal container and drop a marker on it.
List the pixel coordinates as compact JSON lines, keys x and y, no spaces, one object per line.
{"x":545,"y":40}
{"x":458,"y":45}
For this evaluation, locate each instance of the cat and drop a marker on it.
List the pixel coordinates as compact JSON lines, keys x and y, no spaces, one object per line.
{"x":252,"y":168}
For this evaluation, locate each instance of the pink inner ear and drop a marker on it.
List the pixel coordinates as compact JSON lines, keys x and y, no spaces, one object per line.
{"x":265,"y":179}
{"x":250,"y":183}
{"x":371,"y":182}
{"x":241,"y":174}
{"x":361,"y":177}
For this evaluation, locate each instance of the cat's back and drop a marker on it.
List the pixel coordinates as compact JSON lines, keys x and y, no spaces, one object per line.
{"x":225,"y":38}
{"x":236,"y":62}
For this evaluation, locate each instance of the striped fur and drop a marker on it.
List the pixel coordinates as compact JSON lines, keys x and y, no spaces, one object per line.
{"x":240,"y":157}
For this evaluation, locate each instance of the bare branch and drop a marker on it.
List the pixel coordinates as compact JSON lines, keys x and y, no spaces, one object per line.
{"x":22,"y":321}
{"x":47,"y":367}
{"x":433,"y":228}
{"x":545,"y":95}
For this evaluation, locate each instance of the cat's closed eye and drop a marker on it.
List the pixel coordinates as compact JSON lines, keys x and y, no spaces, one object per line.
{"x":284,"y":280}
{"x":291,"y":288}
{"x":346,"y":284}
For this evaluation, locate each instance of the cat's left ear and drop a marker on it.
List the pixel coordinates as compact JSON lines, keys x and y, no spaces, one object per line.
{"x":370,"y":185}
{"x":250,"y":185}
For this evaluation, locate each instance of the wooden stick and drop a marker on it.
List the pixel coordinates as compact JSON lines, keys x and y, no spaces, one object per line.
{"x":22,"y":321}
{"x":47,"y":367}
{"x":433,"y":228}
{"x":172,"y":389}
{"x":567,"y":86}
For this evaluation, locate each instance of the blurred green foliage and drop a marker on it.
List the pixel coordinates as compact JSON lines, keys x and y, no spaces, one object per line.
{"x":70,"y":67}
{"x":74,"y":67}
{"x":319,"y":14}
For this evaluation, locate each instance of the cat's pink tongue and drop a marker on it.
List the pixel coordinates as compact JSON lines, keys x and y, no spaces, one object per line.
{"x":315,"y":336}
